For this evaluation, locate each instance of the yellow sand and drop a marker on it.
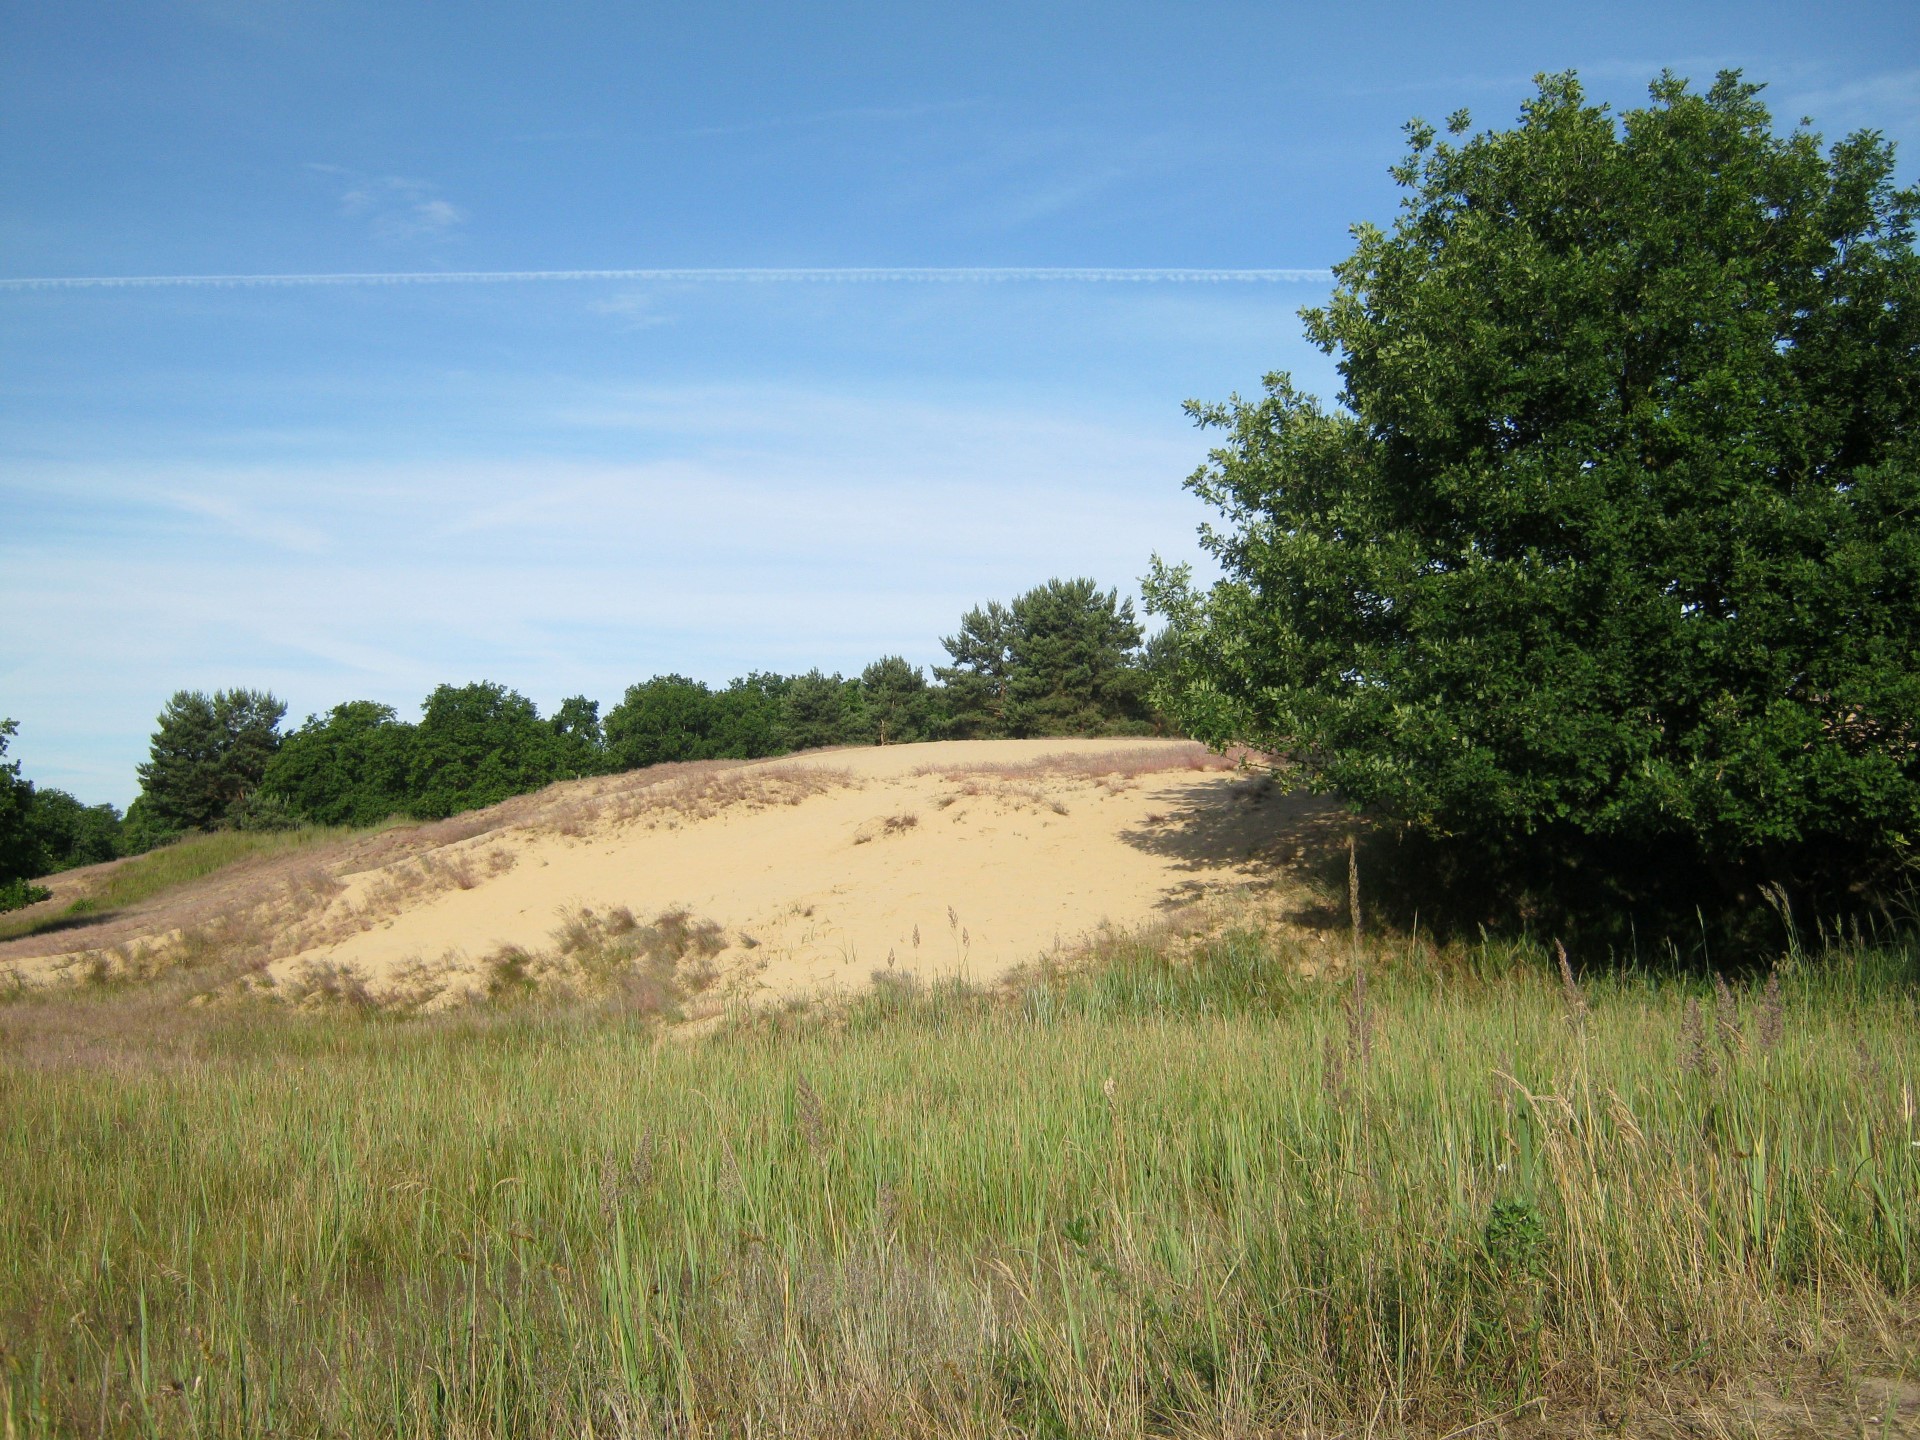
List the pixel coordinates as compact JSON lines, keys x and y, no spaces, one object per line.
{"x":951,"y":858}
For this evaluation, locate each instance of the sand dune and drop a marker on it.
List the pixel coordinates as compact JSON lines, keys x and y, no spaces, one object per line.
{"x":814,"y":871}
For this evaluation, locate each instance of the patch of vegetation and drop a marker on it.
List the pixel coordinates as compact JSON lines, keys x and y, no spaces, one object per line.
{"x":18,"y":894}
{"x":182,"y":862}
{"x":195,"y":858}
{"x":1156,"y":1195}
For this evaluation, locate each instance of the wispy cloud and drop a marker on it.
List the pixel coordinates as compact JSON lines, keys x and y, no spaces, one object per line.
{"x":632,"y":309}
{"x":395,"y":207}
{"x":756,"y":527}
{"x":247,"y":523}
{"x":775,"y":275}
{"x":1889,"y":101}
{"x":1056,"y":195}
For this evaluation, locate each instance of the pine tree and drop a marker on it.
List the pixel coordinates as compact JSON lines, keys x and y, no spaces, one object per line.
{"x":209,"y":753}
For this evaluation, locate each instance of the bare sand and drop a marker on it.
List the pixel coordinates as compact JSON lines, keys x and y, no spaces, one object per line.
{"x":962,"y":858}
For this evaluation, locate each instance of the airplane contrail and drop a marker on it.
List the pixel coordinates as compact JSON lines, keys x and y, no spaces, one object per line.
{"x":837,"y":274}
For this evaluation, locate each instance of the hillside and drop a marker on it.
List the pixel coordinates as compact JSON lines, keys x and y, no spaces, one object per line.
{"x":775,"y":878}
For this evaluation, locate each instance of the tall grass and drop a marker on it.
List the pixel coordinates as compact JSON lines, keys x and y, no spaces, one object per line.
{"x":195,"y":858}
{"x":180,"y":863}
{"x":1154,"y":1197}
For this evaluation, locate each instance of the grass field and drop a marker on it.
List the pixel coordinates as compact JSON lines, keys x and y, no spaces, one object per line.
{"x":1151,"y":1197}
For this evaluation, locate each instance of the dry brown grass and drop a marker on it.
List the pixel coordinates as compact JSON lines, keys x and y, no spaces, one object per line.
{"x":693,"y":798}
{"x":1104,"y":766}
{"x":889,"y":825}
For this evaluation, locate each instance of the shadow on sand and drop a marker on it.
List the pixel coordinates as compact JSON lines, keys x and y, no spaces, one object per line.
{"x":1258,"y":829}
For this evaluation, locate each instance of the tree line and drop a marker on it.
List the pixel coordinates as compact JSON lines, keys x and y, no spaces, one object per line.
{"x":1064,"y":658}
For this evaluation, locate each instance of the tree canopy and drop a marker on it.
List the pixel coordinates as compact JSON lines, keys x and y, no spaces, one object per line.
{"x":895,"y":702}
{"x":1061,"y":659}
{"x":208,"y":753}
{"x":71,"y":833}
{"x":477,"y":745}
{"x":20,"y":852}
{"x":1607,"y":566}
{"x":351,"y":767}
{"x":666,"y":718}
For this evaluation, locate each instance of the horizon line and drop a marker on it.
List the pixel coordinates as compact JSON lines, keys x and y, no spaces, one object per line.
{"x":831,"y":274}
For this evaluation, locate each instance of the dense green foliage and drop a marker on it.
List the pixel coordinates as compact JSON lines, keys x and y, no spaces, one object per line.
{"x":672,"y":718}
{"x":45,"y":830}
{"x":580,"y":743}
{"x":817,"y":710}
{"x":1606,"y":578}
{"x":1062,"y":659}
{"x":352,"y":767}
{"x":898,"y":706}
{"x":477,"y":745}
{"x":71,"y":833}
{"x":19,"y":846}
{"x":208,"y":754}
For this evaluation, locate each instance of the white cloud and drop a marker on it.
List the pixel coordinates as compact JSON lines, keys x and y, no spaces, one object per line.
{"x":633,"y":309}
{"x":395,"y":208}
{"x":763,"y":527}
{"x":1889,"y":102}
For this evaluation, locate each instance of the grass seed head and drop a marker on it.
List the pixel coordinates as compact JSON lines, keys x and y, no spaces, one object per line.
{"x":1773,"y":1017}
{"x":1727,"y":1022}
{"x":1695,"y":1057}
{"x":1576,"y":1002}
{"x":812,"y":1115}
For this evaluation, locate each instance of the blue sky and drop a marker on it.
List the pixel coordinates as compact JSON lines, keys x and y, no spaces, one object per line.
{"x":343,"y":492}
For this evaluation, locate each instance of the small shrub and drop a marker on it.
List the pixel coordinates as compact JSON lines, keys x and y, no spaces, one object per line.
{"x":18,"y":894}
{"x":509,"y":974}
{"x":259,"y":811}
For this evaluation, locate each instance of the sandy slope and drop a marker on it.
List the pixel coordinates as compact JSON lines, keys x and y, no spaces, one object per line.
{"x":957,"y":857}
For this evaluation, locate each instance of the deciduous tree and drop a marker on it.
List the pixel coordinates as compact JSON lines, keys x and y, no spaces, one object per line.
{"x":21,"y":856}
{"x":1606,"y":568}
{"x":352,"y":766}
{"x":477,"y":745}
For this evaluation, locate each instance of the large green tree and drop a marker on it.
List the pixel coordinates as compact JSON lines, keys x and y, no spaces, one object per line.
{"x":671,"y":717}
{"x":582,"y":743}
{"x":352,"y":766}
{"x":72,"y":833}
{"x":477,"y":745}
{"x":817,"y":709}
{"x":1607,"y":567}
{"x":974,"y":687}
{"x":1061,"y":659}
{"x":1073,"y":662}
{"x":747,"y":721}
{"x":667,"y":718}
{"x":896,"y":702}
{"x":21,"y":856}
{"x":208,"y":753}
